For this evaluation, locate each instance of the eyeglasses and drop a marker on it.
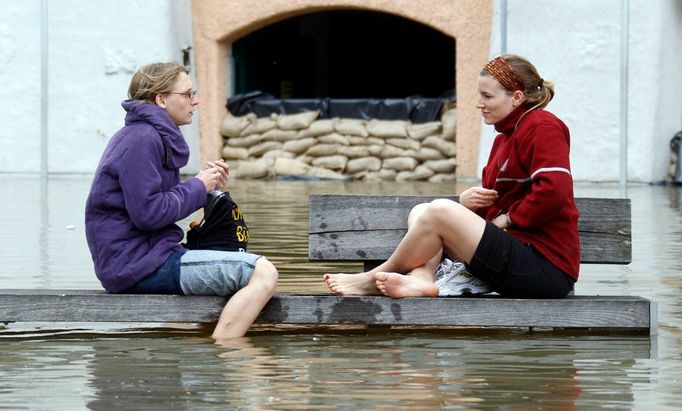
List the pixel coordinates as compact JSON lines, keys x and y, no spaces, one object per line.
{"x":189,"y":94}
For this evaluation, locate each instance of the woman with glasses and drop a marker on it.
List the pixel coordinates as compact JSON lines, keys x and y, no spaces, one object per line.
{"x":137,"y":196}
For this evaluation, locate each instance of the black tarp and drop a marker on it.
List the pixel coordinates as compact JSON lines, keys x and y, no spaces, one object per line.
{"x":416,"y":109}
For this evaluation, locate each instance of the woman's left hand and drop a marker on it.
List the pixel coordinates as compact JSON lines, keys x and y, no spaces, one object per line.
{"x":223,"y":168}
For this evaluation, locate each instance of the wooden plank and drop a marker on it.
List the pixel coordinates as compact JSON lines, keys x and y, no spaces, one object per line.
{"x":578,"y":311}
{"x":351,"y":227}
{"x":97,"y":306}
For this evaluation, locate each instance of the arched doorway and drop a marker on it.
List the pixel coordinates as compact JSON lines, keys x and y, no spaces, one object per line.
{"x":219,"y":23}
{"x":344,"y":54}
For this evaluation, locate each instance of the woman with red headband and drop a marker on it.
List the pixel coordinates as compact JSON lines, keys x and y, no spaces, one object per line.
{"x":517,"y":234}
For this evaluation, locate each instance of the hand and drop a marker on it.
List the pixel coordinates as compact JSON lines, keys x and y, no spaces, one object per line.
{"x":214,"y":175}
{"x":476,"y":197}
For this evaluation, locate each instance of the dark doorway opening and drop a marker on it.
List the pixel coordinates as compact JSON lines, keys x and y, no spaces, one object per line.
{"x":346,"y":55}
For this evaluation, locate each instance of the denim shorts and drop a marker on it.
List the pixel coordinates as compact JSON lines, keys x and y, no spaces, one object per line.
{"x":208,"y":272}
{"x":164,"y":280}
{"x":516,"y":270}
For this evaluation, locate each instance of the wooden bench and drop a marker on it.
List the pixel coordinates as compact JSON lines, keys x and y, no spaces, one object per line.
{"x":367,"y":229}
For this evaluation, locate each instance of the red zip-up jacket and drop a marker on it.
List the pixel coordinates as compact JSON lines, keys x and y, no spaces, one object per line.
{"x":530,"y":169}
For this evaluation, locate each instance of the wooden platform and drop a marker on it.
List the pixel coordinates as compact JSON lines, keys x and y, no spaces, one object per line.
{"x":606,"y":312}
{"x":367,"y":229}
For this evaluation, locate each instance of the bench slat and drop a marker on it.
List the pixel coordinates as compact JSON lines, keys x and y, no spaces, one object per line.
{"x":355,"y":227}
{"x":97,"y":306}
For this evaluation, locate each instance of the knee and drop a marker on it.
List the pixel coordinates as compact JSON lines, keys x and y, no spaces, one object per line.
{"x":441,"y":211}
{"x":415,"y":212}
{"x":265,"y":275}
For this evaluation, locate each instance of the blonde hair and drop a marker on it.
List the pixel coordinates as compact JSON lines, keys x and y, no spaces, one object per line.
{"x":154,"y":79}
{"x":538,"y":91}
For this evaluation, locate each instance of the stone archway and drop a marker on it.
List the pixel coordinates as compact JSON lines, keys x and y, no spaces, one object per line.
{"x":217,"y":23}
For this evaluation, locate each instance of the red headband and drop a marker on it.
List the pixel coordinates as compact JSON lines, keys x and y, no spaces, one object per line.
{"x":505,"y":74}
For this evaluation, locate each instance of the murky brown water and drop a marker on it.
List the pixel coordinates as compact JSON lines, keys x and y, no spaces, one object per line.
{"x":116,"y":366}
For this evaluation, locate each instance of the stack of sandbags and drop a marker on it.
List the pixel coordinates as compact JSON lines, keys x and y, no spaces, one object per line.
{"x":370,"y":150}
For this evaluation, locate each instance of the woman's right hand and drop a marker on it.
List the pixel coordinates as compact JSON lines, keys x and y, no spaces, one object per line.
{"x":213,"y":177}
{"x":474,"y":198}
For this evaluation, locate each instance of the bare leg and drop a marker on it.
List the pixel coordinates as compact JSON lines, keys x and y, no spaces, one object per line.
{"x":365,"y":283}
{"x":418,"y":283}
{"x":245,"y":305}
{"x":443,"y":225}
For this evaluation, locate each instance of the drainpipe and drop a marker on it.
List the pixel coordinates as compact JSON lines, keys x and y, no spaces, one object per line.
{"x":44,"y":118}
{"x":44,"y":113}
{"x":503,"y":26}
{"x":625,"y":23}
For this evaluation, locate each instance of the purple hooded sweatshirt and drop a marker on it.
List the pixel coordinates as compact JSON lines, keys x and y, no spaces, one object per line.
{"x":136,"y":197}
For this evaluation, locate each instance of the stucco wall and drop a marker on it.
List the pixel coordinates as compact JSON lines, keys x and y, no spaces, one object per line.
{"x":95,"y":45}
{"x":577,"y":44}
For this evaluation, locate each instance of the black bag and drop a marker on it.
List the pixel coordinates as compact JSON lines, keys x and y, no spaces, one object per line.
{"x":223,"y":227}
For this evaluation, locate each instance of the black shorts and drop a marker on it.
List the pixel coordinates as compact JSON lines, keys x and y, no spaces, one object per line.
{"x":515,"y":269}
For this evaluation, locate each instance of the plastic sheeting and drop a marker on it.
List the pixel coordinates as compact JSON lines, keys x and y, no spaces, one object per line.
{"x":676,"y":147}
{"x":415,"y":109}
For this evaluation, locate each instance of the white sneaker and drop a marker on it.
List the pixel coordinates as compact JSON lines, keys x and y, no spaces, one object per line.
{"x":452,"y":279}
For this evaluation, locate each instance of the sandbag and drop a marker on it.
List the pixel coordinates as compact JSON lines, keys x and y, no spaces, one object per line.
{"x":334,"y":138}
{"x":449,"y":121}
{"x":289,"y":167}
{"x":280,"y":135}
{"x":427,"y":153}
{"x":235,"y":153}
{"x":278,"y":154}
{"x":443,"y":178}
{"x":233,"y":126}
{"x":247,"y":141}
{"x":259,"y":126}
{"x":419,"y":173}
{"x":318,"y":128}
{"x":260,"y":149}
{"x":298,"y":146}
{"x":400,"y":163}
{"x":391,"y":151}
{"x":387,"y":128}
{"x":351,"y":127}
{"x":421,"y":131}
{"x":321,"y":150}
{"x":354,"y":152}
{"x":357,"y":165}
{"x":446,"y":147}
{"x":404,"y":143}
{"x":442,"y":166}
{"x":297,"y":121}
{"x":252,"y":169}
{"x":336,"y":162}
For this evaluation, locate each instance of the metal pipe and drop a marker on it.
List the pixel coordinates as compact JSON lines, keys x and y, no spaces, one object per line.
{"x":44,"y":97}
{"x":624,"y":34}
{"x":503,"y":26}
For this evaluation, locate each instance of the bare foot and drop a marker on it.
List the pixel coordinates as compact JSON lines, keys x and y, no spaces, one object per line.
{"x":351,"y":284}
{"x":400,"y":286}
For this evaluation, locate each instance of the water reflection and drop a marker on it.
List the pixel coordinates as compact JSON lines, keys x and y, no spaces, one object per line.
{"x":102,"y":367}
{"x":351,"y":371}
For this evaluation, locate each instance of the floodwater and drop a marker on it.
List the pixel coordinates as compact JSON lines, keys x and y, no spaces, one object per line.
{"x":124,"y":366}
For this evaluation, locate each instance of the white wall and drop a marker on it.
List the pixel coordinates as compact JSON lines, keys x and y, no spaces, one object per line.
{"x":577,"y":45}
{"x":94,"y":47}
